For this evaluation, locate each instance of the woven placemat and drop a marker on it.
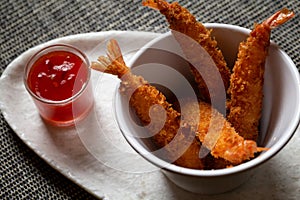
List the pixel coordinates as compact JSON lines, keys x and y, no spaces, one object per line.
{"x":25,"y":24}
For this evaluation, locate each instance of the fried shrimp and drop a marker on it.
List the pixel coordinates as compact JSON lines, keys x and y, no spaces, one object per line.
{"x":246,"y":84}
{"x":145,"y":99}
{"x":217,"y":134}
{"x":181,"y":138}
{"x":181,"y":20}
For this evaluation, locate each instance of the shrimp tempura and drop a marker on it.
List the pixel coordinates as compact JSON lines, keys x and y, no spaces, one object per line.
{"x":181,"y":139}
{"x":246,"y":84}
{"x":181,"y":20}
{"x":217,"y":134}
{"x":145,"y":99}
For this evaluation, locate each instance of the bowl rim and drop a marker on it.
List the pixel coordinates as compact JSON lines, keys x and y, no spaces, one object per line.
{"x":216,"y":172}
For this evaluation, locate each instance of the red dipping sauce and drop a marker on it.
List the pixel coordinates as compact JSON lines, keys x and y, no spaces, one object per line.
{"x":57,"y":78}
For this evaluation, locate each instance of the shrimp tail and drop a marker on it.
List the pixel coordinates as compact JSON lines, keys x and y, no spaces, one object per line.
{"x":156,"y":4}
{"x":279,"y":18}
{"x":113,"y":63}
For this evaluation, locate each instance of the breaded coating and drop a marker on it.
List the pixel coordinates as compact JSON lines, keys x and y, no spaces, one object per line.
{"x":180,"y":136}
{"x":217,"y":134}
{"x":146,"y":100}
{"x":189,"y":157}
{"x":181,"y":20}
{"x":246,"y":83}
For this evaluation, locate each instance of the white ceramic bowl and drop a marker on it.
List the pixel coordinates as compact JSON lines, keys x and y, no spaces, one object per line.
{"x":280,"y":118}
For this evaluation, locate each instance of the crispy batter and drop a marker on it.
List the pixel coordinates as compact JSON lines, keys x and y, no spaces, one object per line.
{"x":201,"y":128}
{"x":190,"y":158}
{"x":181,"y":20}
{"x":183,"y":139}
{"x":217,"y":135}
{"x":246,"y":83}
{"x":143,"y":99}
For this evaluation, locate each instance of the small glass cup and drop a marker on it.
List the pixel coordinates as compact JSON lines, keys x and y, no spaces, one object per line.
{"x":72,"y":109}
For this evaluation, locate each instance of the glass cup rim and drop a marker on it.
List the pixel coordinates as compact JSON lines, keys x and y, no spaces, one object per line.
{"x":34,"y":57}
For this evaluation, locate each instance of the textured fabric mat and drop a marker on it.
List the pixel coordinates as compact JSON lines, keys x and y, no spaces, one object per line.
{"x":25,"y":24}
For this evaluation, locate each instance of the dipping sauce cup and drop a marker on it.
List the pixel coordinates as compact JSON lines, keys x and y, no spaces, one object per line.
{"x":58,"y":79}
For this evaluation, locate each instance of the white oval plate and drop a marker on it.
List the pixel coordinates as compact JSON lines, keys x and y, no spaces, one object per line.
{"x":94,"y":153}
